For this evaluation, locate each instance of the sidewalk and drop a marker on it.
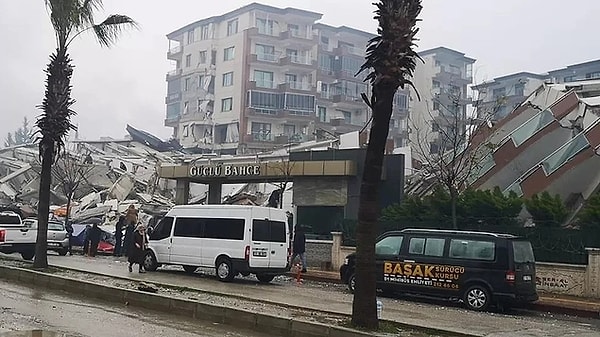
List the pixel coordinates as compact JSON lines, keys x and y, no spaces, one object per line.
{"x":561,"y":304}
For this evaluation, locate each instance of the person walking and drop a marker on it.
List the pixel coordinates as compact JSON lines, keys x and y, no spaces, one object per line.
{"x":128,"y":239}
{"x":69,"y":229}
{"x":299,"y":247}
{"x":135,"y":253}
{"x":119,"y":236}
{"x":86,"y":240}
{"x":95,"y":236}
{"x":131,"y":215}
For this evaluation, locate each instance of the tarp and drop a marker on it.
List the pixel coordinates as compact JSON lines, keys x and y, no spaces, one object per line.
{"x":106,"y":239}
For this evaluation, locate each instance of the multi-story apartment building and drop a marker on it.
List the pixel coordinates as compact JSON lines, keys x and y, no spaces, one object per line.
{"x":441,"y":82}
{"x":495,"y":99}
{"x":261,"y":77}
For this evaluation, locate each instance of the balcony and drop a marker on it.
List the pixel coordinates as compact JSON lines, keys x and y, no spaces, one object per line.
{"x":265,"y":58}
{"x":298,"y":61}
{"x":261,"y":85}
{"x":340,"y":98}
{"x":448,"y":74}
{"x":263,"y":112}
{"x":296,"y":85}
{"x":262,"y":31}
{"x":173,"y":74}
{"x":172,"y":98}
{"x":349,"y":50}
{"x":259,"y":137}
{"x":298,"y":36}
{"x":348,"y":75}
{"x":175,"y":53}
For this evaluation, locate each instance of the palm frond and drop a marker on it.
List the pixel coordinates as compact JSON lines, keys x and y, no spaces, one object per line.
{"x":390,"y":55}
{"x":109,"y":30}
{"x":87,"y":9}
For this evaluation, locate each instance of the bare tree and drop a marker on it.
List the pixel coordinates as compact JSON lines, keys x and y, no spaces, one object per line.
{"x":284,"y":169}
{"x":69,"y":173}
{"x":450,"y":144}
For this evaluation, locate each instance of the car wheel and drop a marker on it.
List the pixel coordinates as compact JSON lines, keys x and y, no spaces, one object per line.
{"x":150,"y":263}
{"x":352,"y":283}
{"x":477,"y":298}
{"x":224,"y":270}
{"x":265,"y":278}
{"x":28,"y":255}
{"x":190,"y":269}
{"x":63,"y":252}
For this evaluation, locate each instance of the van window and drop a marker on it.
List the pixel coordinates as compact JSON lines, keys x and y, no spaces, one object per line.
{"x":429,"y":246}
{"x":268,"y":230}
{"x":56,"y":226}
{"x":389,"y":245}
{"x":225,"y":228}
{"x":188,"y":227}
{"x":522,"y":251}
{"x":163,"y":229}
{"x":472,"y":249}
{"x":10,"y":219}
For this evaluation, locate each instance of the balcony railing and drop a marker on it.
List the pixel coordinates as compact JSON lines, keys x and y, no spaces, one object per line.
{"x":354,"y":50}
{"x":264,"y":84}
{"x":298,"y":85}
{"x":300,"y":59}
{"x":174,"y":72}
{"x":267,"y":57}
{"x":261,"y":136}
{"x":175,"y":50}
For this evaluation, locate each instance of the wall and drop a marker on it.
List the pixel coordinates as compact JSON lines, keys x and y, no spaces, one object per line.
{"x":318,"y":254}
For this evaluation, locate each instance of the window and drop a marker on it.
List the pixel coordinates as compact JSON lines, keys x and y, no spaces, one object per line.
{"x":520,"y":89}
{"x":187,"y":84}
{"x":186,"y":107}
{"x":567,"y":151}
{"x":228,"y":54}
{"x":389,"y":245}
{"x":266,"y":26}
{"x":347,"y":117}
{"x":436,"y":105}
{"x":261,"y":131}
{"x":228,"y":79}
{"x":322,"y":114}
{"x":416,"y":246}
{"x":522,"y":252}
{"x":302,"y":103}
{"x":265,"y":100}
{"x":294,"y":29}
{"x":291,"y":79}
{"x":324,"y":40}
{"x":56,"y":226}
{"x":265,"y":53}
{"x":263,"y":79}
{"x":225,"y":229}
{"x":201,"y":80}
{"x":186,"y":131}
{"x":232,"y":27}
{"x":226,"y":104}
{"x":500,"y":92}
{"x":531,"y":127}
{"x":428,"y":247}
{"x":188,"y":60}
{"x":401,"y":101}
{"x":289,"y":129}
{"x":190,"y":37}
{"x":570,"y":79}
{"x":472,"y":249}
{"x":268,"y":230}
{"x":595,"y":74}
{"x":188,"y":228}
{"x":163,"y":229}
{"x":204,"y":32}
{"x":202,"y":57}
{"x":326,"y":62}
{"x":435,"y":84}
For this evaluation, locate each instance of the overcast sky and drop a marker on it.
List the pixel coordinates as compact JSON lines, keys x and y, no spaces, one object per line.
{"x":126,"y":84}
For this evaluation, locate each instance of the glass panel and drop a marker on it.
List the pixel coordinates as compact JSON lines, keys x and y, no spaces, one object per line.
{"x":531,"y":127}
{"x":435,"y":247}
{"x":472,"y":249}
{"x":416,"y":246}
{"x":514,"y":187}
{"x":554,"y":161}
{"x":389,"y":245}
{"x":523,"y":252}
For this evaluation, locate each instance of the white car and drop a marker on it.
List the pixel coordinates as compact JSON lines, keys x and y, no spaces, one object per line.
{"x":58,"y":239}
{"x":16,"y":238}
{"x":232,"y":239}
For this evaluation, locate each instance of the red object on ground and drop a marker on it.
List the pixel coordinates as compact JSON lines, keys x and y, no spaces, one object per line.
{"x":105,"y":247}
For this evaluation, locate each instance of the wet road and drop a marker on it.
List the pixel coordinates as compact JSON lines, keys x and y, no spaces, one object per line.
{"x":24,"y":308}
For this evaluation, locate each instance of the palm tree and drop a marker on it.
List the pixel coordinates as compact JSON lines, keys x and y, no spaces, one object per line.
{"x":69,"y":18}
{"x":391,"y":62}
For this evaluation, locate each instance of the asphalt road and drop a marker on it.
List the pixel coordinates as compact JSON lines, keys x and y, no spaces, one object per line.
{"x":27,"y":309}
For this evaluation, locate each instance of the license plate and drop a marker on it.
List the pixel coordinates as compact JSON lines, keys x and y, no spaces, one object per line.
{"x":527,"y":278}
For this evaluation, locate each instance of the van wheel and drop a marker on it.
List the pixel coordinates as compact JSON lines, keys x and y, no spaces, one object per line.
{"x":28,"y":255}
{"x":352,"y":283}
{"x":190,"y":269}
{"x":265,"y":278}
{"x":224,"y":270}
{"x":150,"y":263}
{"x":477,"y":298}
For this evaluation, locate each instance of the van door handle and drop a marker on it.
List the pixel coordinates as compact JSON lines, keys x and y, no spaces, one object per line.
{"x":257,"y":243}
{"x":409,"y":261}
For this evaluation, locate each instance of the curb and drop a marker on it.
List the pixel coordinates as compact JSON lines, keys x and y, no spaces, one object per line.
{"x":214,"y":312}
{"x":187,"y":308}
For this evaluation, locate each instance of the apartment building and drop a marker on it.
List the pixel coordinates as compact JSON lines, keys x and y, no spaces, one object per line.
{"x":496,"y":98}
{"x":441,"y":82}
{"x":262,"y":77}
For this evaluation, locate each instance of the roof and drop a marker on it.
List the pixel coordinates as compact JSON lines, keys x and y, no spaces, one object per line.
{"x":577,"y":65}
{"x":244,"y":9}
{"x":508,"y":77}
{"x":344,"y":29}
{"x":445,"y":50}
{"x":454,"y":232}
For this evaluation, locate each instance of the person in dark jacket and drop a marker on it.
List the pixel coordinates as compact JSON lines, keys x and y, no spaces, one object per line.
{"x":95,"y":236}
{"x":128,"y":239}
{"x":69,"y":229}
{"x":299,"y":247}
{"x":135,"y":253}
{"x":86,"y":240}
{"x":119,"y":236}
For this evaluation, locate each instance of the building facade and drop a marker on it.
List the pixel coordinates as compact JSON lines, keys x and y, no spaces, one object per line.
{"x":441,"y":81}
{"x":262,"y":77}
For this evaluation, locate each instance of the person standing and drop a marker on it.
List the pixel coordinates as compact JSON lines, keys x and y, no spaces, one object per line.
{"x":131,"y":215}
{"x":299,"y":247}
{"x":127,"y":240}
{"x":119,"y":236}
{"x":69,"y":229}
{"x":135,"y":253}
{"x":86,"y":240}
{"x":95,"y":236}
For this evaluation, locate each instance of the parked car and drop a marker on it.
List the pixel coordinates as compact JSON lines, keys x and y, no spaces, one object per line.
{"x":232,"y":239}
{"x":475,"y":267}
{"x":15,"y":237}
{"x":58,"y":239}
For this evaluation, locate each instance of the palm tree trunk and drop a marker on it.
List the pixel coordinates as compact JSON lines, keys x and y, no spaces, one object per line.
{"x":364,"y":310}
{"x":41,"y":245}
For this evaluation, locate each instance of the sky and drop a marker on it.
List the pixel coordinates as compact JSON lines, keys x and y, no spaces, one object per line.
{"x":126,"y":84}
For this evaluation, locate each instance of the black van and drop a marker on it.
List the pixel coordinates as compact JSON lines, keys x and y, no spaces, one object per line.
{"x":476,"y":267}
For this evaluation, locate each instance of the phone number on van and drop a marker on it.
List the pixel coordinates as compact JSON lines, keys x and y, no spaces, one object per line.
{"x":439,"y":276}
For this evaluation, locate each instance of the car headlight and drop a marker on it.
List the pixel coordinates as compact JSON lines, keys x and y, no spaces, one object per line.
{"x":346,"y":261}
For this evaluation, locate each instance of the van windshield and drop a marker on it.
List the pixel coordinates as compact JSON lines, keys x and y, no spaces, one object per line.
{"x":522,"y":251}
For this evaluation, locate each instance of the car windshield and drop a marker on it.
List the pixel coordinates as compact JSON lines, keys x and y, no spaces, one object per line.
{"x":10,"y":219}
{"x":54,"y":226}
{"x":523,"y":252}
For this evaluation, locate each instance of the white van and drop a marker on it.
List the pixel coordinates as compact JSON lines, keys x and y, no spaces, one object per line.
{"x":230,"y":238}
